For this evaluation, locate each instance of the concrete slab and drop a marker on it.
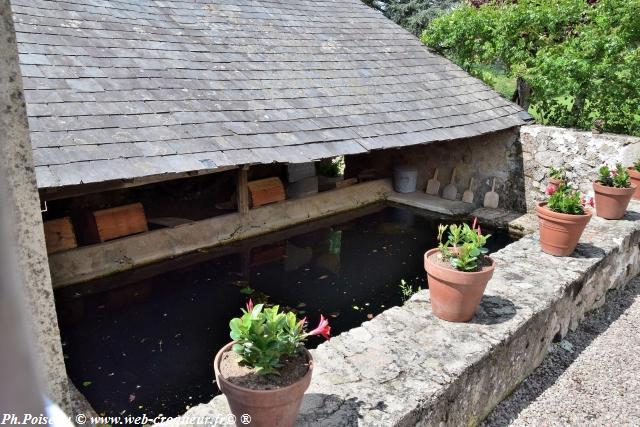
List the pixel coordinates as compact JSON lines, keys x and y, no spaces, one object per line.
{"x":428,"y":202}
{"x":405,"y":367}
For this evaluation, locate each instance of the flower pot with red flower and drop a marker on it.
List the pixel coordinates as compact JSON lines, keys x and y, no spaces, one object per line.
{"x":613,"y":192}
{"x":563,"y":218}
{"x":266,"y":369}
{"x":634,"y":175}
{"x":458,"y":271}
{"x":557,"y":177}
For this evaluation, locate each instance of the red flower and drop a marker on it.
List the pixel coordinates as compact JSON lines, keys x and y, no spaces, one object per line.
{"x":249,"y":305}
{"x":586,"y":201}
{"x":475,"y":222}
{"x":323,"y":328}
{"x":551,"y":189}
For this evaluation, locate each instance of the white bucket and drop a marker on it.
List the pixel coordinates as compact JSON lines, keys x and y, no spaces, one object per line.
{"x":405,"y":179}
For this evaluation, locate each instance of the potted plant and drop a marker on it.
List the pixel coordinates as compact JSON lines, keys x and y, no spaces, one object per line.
{"x":556,"y":177}
{"x":634,"y":174}
{"x":266,"y":369}
{"x":613,"y":191}
{"x":458,"y":271}
{"x":562,"y":219}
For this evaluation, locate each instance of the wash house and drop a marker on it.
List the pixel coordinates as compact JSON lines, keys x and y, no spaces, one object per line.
{"x":166,"y":133}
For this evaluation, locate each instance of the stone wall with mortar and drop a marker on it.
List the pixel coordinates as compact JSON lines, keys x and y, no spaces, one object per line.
{"x":405,"y":367}
{"x":23,"y":200}
{"x":484,"y":157}
{"x":581,"y":152}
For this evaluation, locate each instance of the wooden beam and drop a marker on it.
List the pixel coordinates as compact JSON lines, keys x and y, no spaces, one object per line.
{"x":242,"y":190}
{"x":56,"y":193}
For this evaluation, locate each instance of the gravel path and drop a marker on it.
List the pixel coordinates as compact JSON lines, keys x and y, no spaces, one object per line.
{"x":591,"y":378}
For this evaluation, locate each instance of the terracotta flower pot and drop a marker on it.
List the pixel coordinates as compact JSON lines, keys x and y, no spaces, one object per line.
{"x":612,"y":202}
{"x":267,"y":408}
{"x":635,"y":180}
{"x":554,"y":182}
{"x":455,"y":294}
{"x":559,"y":232}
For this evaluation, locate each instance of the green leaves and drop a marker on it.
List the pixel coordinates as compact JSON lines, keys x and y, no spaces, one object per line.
{"x":618,"y":177}
{"x":566,"y":200}
{"x":463,"y":257}
{"x":264,"y":335}
{"x":581,"y":60}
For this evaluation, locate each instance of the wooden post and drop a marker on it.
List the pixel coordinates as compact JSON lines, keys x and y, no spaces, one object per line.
{"x":242,"y":190}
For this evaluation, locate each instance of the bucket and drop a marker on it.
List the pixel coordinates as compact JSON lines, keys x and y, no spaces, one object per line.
{"x":404,"y":179}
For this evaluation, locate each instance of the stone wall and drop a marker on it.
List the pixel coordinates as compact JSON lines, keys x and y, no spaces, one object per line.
{"x":484,"y":157}
{"x":581,"y":152}
{"x":23,"y":202}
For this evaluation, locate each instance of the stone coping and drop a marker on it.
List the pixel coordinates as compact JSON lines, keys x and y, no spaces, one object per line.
{"x":406,"y":367}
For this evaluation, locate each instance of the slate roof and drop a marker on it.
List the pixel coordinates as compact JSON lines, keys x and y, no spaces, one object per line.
{"x":120,"y":89}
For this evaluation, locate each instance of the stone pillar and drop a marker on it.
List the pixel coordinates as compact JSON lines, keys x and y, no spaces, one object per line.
{"x":23,"y":201}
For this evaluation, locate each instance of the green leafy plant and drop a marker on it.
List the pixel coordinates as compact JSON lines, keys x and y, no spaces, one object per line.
{"x":264,"y":335}
{"x":407,"y":290}
{"x":332,"y":168}
{"x":558,"y":173}
{"x":574,"y":62}
{"x":617,"y":177}
{"x":567,"y":200}
{"x":464,"y":246}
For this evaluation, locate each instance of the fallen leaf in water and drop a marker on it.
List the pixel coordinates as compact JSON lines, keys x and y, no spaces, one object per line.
{"x":324,"y":276}
{"x":369,"y":316}
{"x":334,"y":315}
{"x":86,"y":383}
{"x":132,"y":397}
{"x":301,"y":305}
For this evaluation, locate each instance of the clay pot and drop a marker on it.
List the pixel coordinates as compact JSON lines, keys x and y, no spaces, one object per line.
{"x":267,"y":408}
{"x":635,"y":180}
{"x":555,"y":183}
{"x":612,"y":202}
{"x":455,"y":294}
{"x":559,"y":232}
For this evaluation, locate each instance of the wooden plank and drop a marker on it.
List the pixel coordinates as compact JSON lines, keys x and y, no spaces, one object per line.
{"x":265,"y":191}
{"x":242,"y":190}
{"x":120,"y":221}
{"x":59,"y":235}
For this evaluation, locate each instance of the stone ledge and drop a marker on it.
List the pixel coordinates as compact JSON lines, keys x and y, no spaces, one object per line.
{"x":406,"y":367}
{"x":431,"y":203}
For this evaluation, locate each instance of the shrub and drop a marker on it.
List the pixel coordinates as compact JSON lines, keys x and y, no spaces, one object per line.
{"x":263,"y":336}
{"x":580,"y":58}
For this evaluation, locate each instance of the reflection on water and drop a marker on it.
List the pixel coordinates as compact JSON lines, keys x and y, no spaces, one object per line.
{"x":147,"y":347}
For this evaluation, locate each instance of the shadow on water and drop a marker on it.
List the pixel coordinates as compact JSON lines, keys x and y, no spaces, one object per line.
{"x":494,"y":309}
{"x":143,"y":342}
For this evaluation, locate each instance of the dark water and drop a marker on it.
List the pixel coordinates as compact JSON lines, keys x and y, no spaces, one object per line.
{"x":143,"y":342}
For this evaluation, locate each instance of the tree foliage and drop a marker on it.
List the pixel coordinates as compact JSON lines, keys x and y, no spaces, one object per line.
{"x":581,"y":58}
{"x":413,"y":15}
